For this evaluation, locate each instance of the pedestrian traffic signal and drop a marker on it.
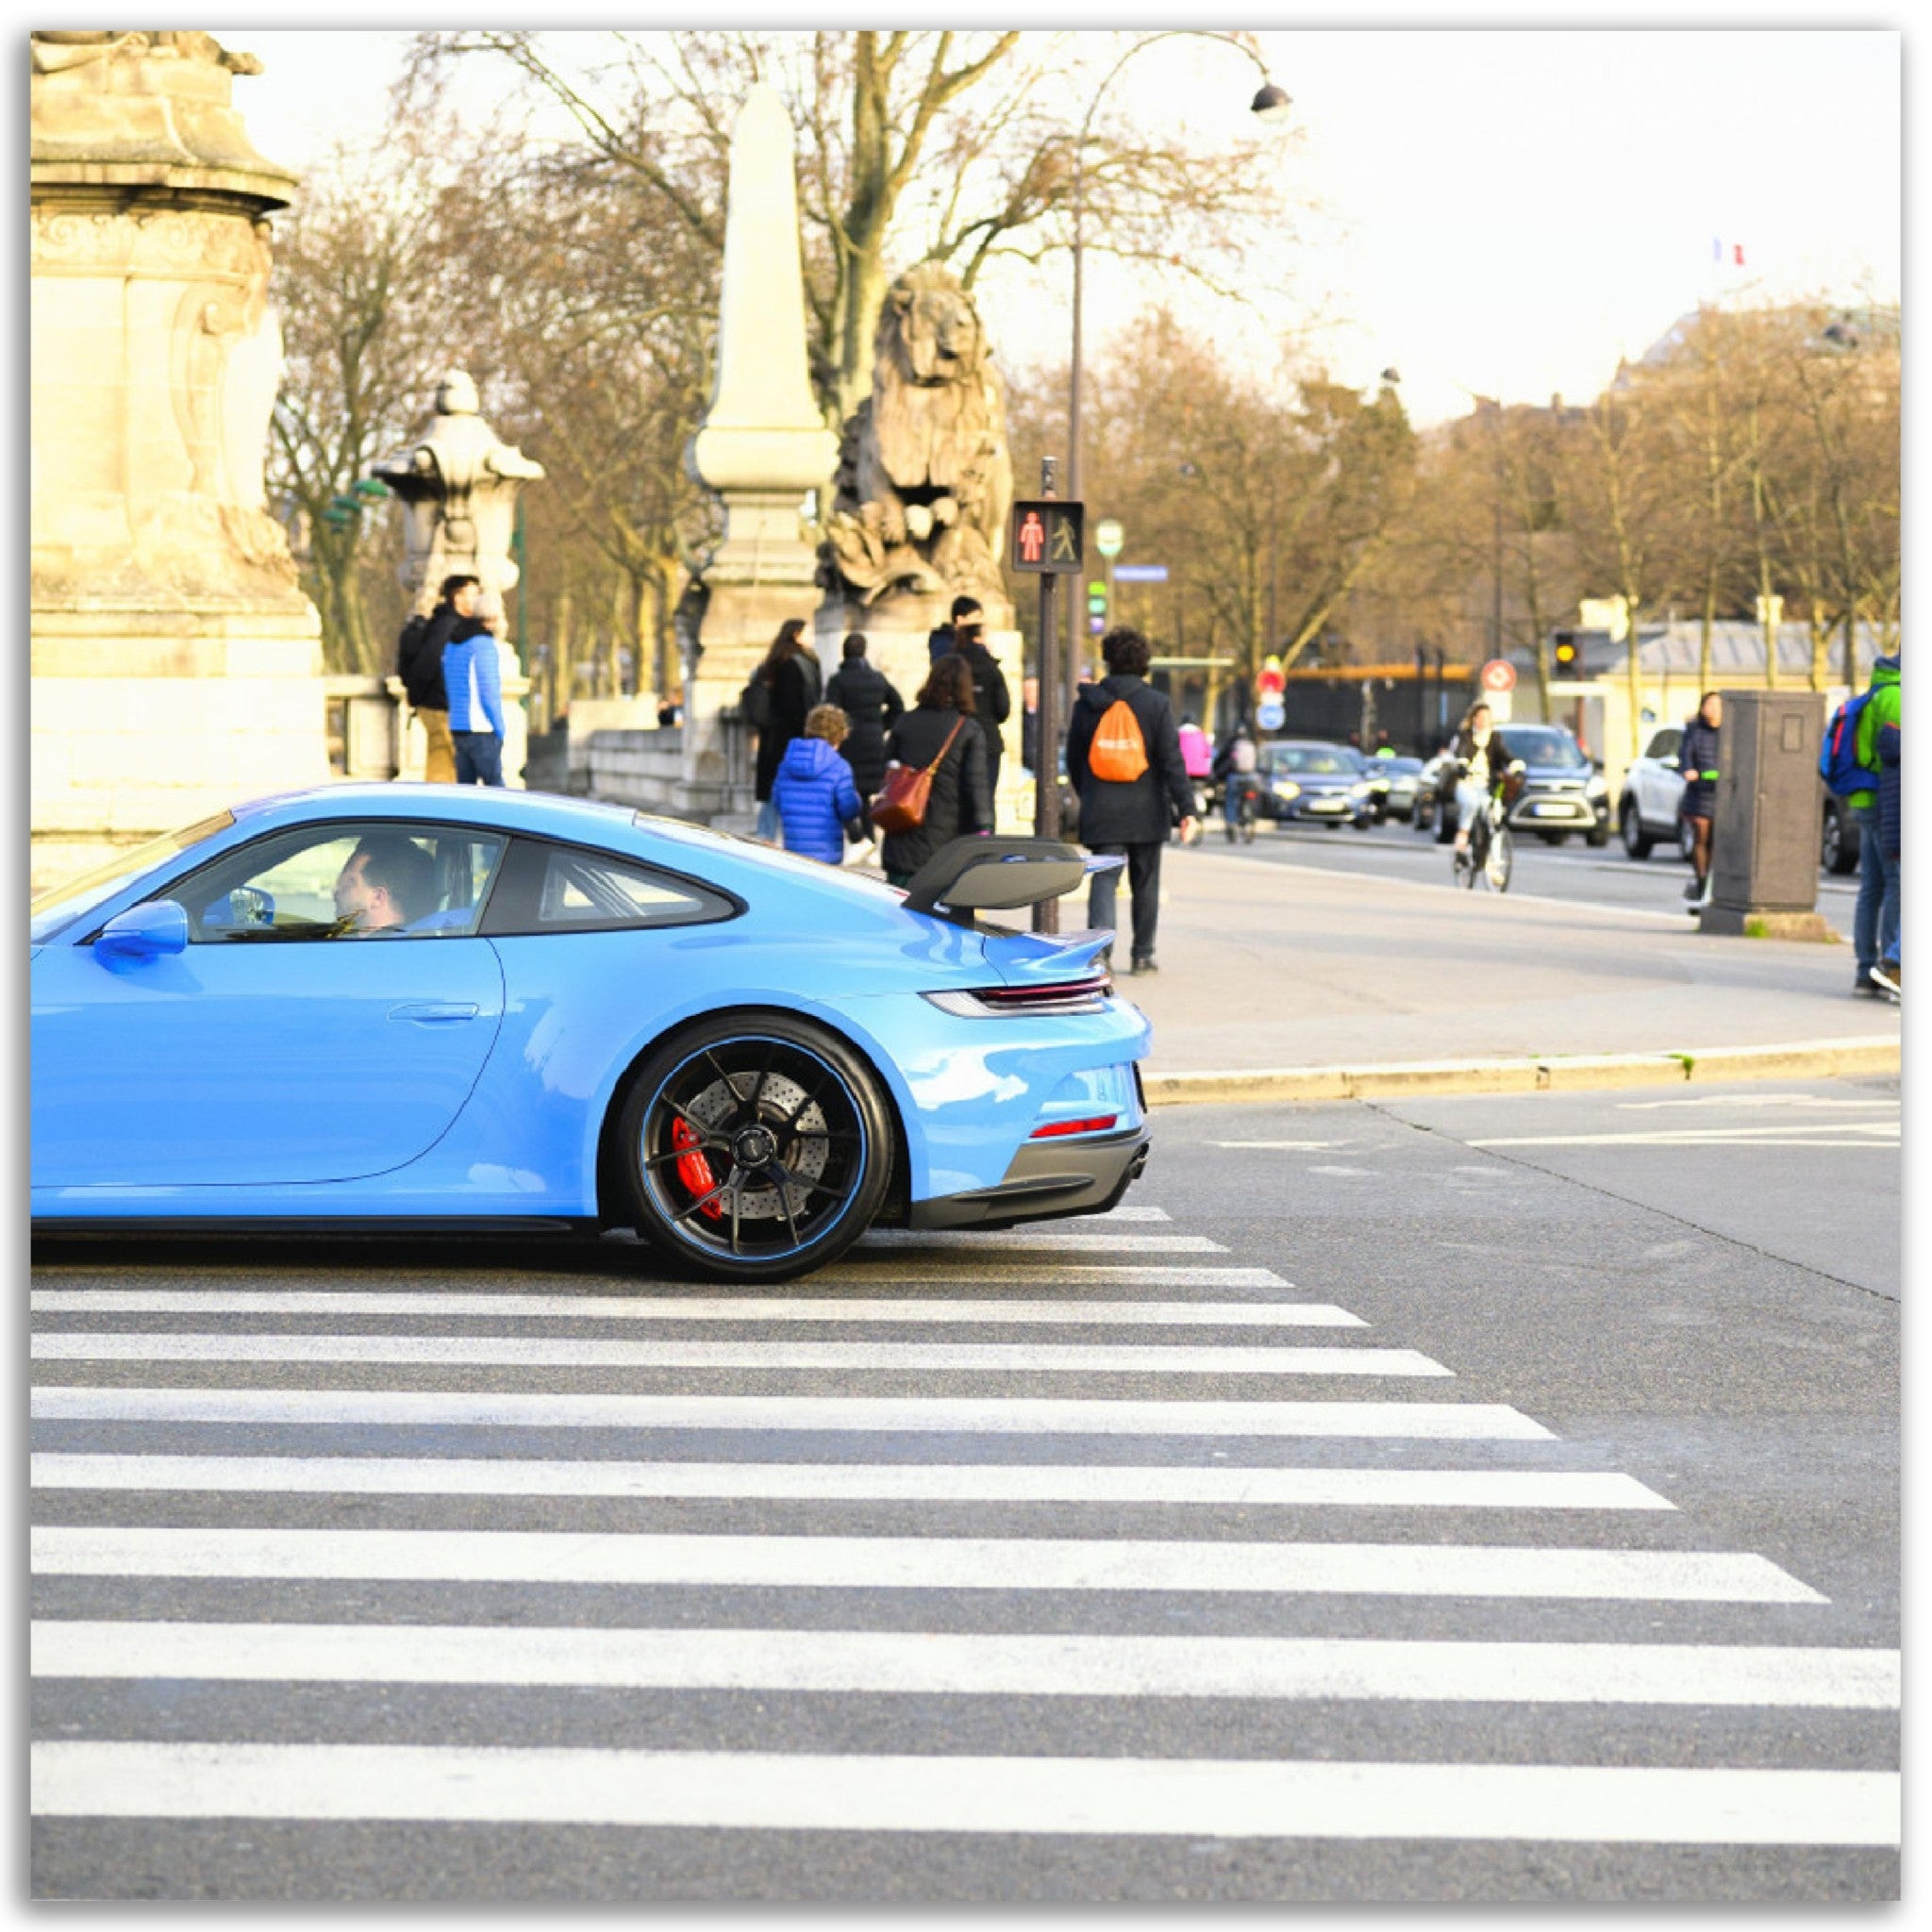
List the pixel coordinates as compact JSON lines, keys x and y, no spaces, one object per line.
{"x":1046,"y":536}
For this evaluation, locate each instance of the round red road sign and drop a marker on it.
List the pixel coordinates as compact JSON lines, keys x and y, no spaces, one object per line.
{"x":1497,"y":675}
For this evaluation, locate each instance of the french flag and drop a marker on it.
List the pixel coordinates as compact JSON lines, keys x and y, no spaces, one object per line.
{"x":1731,"y":253}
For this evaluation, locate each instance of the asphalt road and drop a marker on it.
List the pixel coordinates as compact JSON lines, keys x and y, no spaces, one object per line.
{"x":1604,"y":876}
{"x":1459,"y":1500}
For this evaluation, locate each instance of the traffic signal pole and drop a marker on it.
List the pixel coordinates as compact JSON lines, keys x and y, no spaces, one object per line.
{"x":1046,"y":750}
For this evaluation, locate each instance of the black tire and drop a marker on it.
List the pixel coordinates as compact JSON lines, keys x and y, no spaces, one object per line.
{"x":1598,"y":836}
{"x":1552,"y":838}
{"x":1424,"y":815}
{"x":754,"y":1096}
{"x":1637,"y":841}
{"x":1247,"y":828}
{"x":1838,"y":850}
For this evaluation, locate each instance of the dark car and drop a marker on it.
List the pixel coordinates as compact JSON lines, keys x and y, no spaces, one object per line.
{"x":1562,"y":790}
{"x":1392,"y":784}
{"x":1306,"y":782}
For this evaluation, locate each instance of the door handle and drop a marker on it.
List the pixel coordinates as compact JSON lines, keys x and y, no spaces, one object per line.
{"x":432,"y":1012}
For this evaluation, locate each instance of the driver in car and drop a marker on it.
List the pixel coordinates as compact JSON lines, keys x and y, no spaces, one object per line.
{"x":386,"y":882}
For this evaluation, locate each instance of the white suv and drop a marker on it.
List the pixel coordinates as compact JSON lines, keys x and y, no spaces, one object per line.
{"x":1647,"y":812}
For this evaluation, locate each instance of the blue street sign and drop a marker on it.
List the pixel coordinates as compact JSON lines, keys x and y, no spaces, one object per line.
{"x":1270,"y":715}
{"x":1140,"y":572}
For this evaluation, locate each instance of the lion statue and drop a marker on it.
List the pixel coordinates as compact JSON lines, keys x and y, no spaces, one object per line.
{"x":925,"y":480}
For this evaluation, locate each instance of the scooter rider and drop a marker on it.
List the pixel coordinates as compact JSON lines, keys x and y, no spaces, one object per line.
{"x":1235,"y":765}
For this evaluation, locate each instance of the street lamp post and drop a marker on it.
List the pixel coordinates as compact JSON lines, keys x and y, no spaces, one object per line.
{"x":1270,"y":104}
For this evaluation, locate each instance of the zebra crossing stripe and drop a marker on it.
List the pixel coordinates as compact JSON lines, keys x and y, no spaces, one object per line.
{"x":1115,"y":1797}
{"x":991,"y":1268}
{"x":1008,"y":1415}
{"x":628,"y":1307}
{"x":948,"y":1663}
{"x":840,"y":1562}
{"x":1041,"y":1239}
{"x":591,"y":1351}
{"x":923,"y":1482}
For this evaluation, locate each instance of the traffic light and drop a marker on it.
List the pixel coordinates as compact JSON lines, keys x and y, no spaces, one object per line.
{"x":1269,"y":681}
{"x":1566,"y":656}
{"x":1096,"y":600}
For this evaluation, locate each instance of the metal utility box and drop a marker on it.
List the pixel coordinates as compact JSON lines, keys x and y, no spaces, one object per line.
{"x":1764,"y":837}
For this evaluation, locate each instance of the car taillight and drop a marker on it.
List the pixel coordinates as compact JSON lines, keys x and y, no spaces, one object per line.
{"x":1054,"y":1129}
{"x":1061,"y":996}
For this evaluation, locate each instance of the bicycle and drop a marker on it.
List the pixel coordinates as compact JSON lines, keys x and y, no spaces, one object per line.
{"x":1240,"y":822}
{"x":1491,"y":852}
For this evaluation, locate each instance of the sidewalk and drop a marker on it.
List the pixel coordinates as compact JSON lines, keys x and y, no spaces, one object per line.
{"x":1278,"y":982}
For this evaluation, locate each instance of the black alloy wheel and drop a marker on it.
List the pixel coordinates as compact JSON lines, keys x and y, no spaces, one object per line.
{"x":755,"y":1148}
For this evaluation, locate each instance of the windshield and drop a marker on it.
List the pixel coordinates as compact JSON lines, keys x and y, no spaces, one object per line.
{"x":1317,"y":761}
{"x":63,"y":903}
{"x":1542,"y":744}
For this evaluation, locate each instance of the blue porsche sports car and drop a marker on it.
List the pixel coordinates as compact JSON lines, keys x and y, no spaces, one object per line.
{"x":407,"y":1007}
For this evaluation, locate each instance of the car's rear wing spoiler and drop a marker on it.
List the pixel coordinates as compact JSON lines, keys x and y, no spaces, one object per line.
{"x":970,"y":875}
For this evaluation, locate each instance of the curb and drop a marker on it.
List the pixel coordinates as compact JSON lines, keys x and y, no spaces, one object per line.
{"x":1810,"y":1059}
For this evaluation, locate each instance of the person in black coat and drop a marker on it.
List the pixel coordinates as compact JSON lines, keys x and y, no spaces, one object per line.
{"x":790,"y":677}
{"x":943,"y":640}
{"x":993,"y":703}
{"x":1697,"y":760}
{"x":1131,"y":817}
{"x":871,"y":705}
{"x":959,"y":803}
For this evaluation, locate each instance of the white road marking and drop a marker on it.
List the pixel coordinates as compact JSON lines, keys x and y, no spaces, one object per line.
{"x":1807,"y":1100}
{"x":992,"y":1269}
{"x":943,"y":1663}
{"x":1134,"y":1797}
{"x":1124,"y":1212}
{"x":997,"y":1415}
{"x":618,"y":1307}
{"x":1349,"y":1172}
{"x":919,"y":1482}
{"x":838,"y":1562}
{"x":1819,"y":1134}
{"x":554,"y":1352}
{"x":1285,"y":1146}
{"x":1096,"y":1241}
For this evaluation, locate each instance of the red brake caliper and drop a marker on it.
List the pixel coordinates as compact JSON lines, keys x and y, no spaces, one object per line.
{"x":694,"y":1171}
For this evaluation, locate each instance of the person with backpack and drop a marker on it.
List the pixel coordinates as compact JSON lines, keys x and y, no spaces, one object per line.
{"x":1697,"y":760}
{"x":941,"y":734}
{"x":472,"y":678}
{"x":813,"y":789}
{"x":993,"y":702}
{"x":872,"y":704}
{"x":1848,"y":763}
{"x":1235,"y":765}
{"x":1124,"y":758}
{"x":1888,"y":972}
{"x":943,"y":640}
{"x":777,"y":701}
{"x":419,"y":664}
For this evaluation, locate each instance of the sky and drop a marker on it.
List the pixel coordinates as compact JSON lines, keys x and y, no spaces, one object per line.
{"x":1502,"y":210}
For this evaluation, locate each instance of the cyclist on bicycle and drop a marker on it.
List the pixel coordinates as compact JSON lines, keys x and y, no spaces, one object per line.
{"x":1235,"y":765}
{"x":1481,"y":763}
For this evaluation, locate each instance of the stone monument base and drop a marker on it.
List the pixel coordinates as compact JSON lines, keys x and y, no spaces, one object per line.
{"x":142,"y":722}
{"x":1736,"y":922}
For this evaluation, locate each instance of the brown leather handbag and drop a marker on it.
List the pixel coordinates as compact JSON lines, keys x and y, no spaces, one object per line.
{"x":901,"y":803}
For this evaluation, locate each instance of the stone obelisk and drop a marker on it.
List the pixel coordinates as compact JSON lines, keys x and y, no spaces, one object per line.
{"x":763,"y":445}
{"x":176,"y":667}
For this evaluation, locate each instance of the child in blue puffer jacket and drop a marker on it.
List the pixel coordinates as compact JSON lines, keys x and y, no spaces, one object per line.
{"x":813,"y":787}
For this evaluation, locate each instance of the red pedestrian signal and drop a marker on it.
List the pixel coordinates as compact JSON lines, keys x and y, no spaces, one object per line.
{"x":1047,"y":537}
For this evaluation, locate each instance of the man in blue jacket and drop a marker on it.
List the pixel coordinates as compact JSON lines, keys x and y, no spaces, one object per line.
{"x":474,"y":684}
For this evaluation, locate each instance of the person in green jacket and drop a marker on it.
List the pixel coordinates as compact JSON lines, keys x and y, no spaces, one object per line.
{"x":1875,"y":924}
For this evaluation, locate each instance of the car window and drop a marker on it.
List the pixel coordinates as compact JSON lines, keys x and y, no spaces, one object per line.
{"x":1539,"y":744}
{"x":347,"y":880}
{"x":548,"y":889}
{"x":1664,"y":745}
{"x":68,"y":899}
{"x":1317,"y":761}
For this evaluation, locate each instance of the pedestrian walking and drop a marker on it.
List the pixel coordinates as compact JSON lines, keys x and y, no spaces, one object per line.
{"x":1874,"y":920}
{"x":940,"y":726}
{"x":813,"y":788}
{"x":419,"y":664}
{"x":871,"y":705}
{"x":993,"y":703}
{"x":1887,"y":972}
{"x":1697,"y":760}
{"x":945,"y":638}
{"x":779,"y":698}
{"x":1197,"y":749}
{"x":1123,"y":757}
{"x":472,"y":680}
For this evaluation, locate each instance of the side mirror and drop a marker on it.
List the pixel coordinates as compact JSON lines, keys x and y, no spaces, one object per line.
{"x":143,"y":932}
